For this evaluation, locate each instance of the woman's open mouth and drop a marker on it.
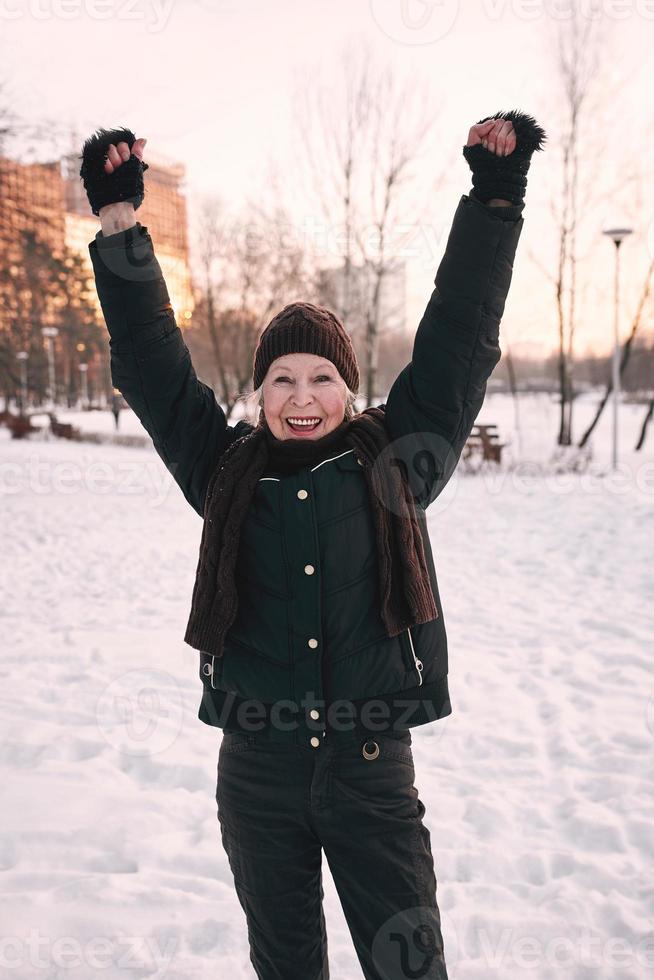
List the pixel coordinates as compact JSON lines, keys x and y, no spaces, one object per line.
{"x":299,"y":425}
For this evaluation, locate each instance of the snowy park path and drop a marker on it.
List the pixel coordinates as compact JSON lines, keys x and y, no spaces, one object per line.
{"x":538,"y":787}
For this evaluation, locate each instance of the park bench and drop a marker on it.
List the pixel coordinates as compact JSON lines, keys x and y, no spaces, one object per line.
{"x":483,"y":445}
{"x":20,"y":425}
{"x":64,"y":430}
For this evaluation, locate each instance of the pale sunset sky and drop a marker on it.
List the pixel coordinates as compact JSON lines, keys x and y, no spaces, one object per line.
{"x":211,"y":82}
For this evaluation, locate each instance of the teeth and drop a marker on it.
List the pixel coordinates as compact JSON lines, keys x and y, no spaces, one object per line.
{"x":303,"y":421}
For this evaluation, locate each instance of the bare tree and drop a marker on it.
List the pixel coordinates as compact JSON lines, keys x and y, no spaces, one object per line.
{"x":396,"y":139}
{"x":361,"y":132}
{"x":587,"y":92}
{"x":624,"y":356}
{"x":513,"y":388}
{"x":211,"y":250}
{"x":646,"y":421}
{"x":576,"y":64}
{"x":252,"y":265}
{"x":332,"y":127}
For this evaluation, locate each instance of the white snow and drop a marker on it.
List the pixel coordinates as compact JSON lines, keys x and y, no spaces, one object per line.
{"x":538,"y":788}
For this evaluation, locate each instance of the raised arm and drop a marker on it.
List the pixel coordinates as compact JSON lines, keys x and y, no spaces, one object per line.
{"x":434,"y":401}
{"x":150,"y":362}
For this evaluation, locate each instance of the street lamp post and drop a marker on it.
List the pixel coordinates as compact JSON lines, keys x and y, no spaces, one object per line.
{"x":22,"y":356}
{"x":617,"y":235}
{"x":50,"y":333}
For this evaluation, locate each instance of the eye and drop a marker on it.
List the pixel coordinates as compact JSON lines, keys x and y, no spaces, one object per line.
{"x":321,"y":377}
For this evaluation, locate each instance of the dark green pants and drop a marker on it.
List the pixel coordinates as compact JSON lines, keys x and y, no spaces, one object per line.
{"x":280,"y":806}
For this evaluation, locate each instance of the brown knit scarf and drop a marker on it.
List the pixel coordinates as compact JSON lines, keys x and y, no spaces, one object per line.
{"x":405,"y":588}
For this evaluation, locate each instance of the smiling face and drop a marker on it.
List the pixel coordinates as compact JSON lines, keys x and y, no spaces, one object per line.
{"x":303,"y":387}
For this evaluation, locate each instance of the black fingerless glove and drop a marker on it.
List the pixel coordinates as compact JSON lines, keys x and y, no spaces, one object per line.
{"x":126,"y":181}
{"x":505,"y":177}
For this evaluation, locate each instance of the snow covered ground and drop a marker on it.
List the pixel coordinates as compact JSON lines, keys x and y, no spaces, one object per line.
{"x":538,"y":787}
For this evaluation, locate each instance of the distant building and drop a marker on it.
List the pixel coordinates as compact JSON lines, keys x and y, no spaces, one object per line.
{"x":49,"y":199}
{"x":163,"y":212}
{"x":32,"y":201}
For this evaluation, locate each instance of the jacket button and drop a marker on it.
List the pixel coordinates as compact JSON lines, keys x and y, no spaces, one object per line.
{"x":302,"y":494}
{"x":309,"y":569}
{"x":359,"y":461}
{"x":315,"y":742}
{"x":314,"y":714}
{"x":313,"y":643}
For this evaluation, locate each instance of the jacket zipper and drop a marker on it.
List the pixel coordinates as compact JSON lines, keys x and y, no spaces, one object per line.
{"x":417,"y":662}
{"x":208,"y":670}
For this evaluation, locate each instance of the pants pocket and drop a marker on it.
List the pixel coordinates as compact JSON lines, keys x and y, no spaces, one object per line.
{"x":393,"y":745}
{"x":237,"y":742}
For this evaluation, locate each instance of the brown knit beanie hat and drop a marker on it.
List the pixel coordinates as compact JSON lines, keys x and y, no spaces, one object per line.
{"x":302,"y":328}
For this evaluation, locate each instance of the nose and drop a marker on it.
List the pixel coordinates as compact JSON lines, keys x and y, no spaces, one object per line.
{"x":301,"y":396}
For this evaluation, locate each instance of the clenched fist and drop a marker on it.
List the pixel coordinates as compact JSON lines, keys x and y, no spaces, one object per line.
{"x":118,"y":154}
{"x":112,"y":168}
{"x":499,"y":151}
{"x":496,"y":135}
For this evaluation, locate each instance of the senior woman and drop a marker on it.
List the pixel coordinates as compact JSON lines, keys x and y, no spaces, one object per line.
{"x":315,"y":608}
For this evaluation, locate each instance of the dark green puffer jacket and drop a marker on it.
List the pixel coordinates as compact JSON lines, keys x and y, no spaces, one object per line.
{"x":308,"y":643}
